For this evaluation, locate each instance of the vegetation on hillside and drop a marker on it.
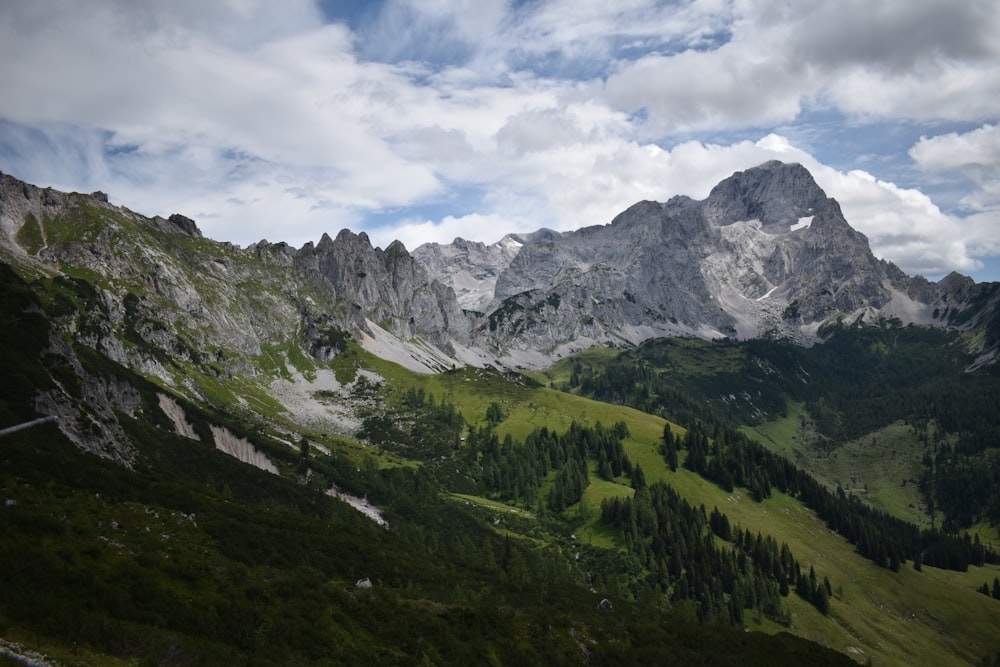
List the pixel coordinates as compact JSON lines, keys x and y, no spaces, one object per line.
{"x":525,"y":526}
{"x":861,"y":379}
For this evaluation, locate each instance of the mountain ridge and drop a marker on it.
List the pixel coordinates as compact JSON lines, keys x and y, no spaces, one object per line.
{"x":184,"y":362}
{"x":767,"y":253}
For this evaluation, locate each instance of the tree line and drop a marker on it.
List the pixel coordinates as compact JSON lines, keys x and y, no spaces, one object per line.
{"x":516,"y":471}
{"x":860,"y":379}
{"x":679,"y":547}
{"x":730,"y":459}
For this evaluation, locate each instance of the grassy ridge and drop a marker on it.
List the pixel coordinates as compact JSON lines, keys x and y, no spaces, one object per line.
{"x":883,"y":468}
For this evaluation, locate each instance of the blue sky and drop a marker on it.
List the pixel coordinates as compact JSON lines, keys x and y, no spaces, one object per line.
{"x":426,"y":120}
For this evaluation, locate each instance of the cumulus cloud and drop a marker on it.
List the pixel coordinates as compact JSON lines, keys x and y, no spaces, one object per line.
{"x":898,"y":59}
{"x":478,"y":119}
{"x":975,"y":154}
{"x":174,"y":94}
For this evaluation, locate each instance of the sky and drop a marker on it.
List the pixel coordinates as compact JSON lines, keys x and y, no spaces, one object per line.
{"x":426,"y":120}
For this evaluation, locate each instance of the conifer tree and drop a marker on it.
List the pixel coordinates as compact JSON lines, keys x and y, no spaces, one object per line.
{"x":638,"y":478}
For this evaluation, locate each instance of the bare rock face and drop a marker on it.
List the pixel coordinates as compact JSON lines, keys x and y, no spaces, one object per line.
{"x":23,"y":204}
{"x":387,"y":287}
{"x":241,"y":449}
{"x":775,"y":193}
{"x":766,"y":253}
{"x":471,"y":268}
{"x":178,"y":223}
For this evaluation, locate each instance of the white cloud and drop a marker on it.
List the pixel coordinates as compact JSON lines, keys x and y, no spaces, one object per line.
{"x":693,"y":90}
{"x":975,"y":155}
{"x":896,"y":59}
{"x":261,"y":121}
{"x":902,"y":225}
{"x":473,"y":227}
{"x":973,"y":150}
{"x":298,"y":101}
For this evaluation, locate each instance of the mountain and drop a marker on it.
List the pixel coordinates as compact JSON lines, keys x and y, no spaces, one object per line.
{"x":269,"y":455}
{"x":471,"y":268}
{"x":767,"y":253}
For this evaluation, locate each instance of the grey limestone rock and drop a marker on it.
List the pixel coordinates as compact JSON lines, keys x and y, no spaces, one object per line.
{"x":766,"y":253}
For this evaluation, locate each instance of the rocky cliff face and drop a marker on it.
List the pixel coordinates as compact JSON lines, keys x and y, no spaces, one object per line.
{"x":162,"y":291}
{"x":766,"y":253}
{"x":472,"y":268}
{"x":387,"y":287}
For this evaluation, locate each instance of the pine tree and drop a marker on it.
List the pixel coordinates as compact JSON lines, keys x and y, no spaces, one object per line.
{"x":603,"y":467}
{"x":638,"y":478}
{"x":822,"y":601}
{"x":494,"y":414}
{"x":670,"y":449}
{"x":489,"y":558}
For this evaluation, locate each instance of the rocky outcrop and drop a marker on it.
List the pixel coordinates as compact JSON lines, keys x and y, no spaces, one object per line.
{"x":766,"y":253}
{"x":775,"y":193}
{"x":241,"y":449}
{"x":175,"y":413}
{"x":471,"y":268}
{"x":86,"y":405}
{"x":177,"y":224}
{"x":386,"y":286}
{"x":185,"y":224}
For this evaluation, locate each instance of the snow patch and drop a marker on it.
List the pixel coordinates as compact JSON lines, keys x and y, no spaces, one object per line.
{"x":508,"y":242}
{"x":803,"y":223}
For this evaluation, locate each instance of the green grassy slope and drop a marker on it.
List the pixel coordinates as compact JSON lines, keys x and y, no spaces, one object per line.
{"x":904,"y":618}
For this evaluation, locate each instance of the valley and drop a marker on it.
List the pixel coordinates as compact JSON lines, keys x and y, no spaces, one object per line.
{"x":624,"y":494}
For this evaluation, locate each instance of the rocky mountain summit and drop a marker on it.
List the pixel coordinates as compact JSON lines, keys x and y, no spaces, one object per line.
{"x":767,"y":253}
{"x":471,"y":268}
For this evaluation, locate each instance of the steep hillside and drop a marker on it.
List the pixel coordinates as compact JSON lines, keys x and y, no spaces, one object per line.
{"x":201,"y":549}
{"x":888,"y":413}
{"x":187,"y":553}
